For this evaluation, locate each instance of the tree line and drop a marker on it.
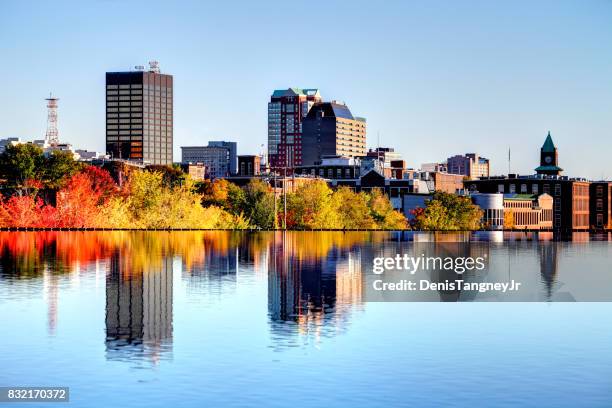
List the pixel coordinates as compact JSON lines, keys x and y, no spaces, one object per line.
{"x":55,"y":191}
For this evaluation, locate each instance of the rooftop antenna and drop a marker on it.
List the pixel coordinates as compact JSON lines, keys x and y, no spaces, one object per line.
{"x":378,"y":144}
{"x":154,"y":67}
{"x":52,"y":135}
{"x":508,"y":159}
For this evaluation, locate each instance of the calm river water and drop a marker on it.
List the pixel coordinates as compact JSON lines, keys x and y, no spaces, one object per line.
{"x":192,"y":319}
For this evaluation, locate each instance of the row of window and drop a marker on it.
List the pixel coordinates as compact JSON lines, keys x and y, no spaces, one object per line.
{"x":138,"y":86}
{"x":501,"y":188}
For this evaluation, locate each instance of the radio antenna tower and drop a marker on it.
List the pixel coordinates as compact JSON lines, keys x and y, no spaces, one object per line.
{"x":52,"y":135}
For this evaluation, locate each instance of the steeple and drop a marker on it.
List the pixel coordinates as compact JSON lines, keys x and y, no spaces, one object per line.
{"x":548,"y":145}
{"x":549,"y":158}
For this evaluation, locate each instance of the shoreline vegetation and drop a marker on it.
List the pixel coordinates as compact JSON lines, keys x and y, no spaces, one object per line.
{"x":55,"y":192}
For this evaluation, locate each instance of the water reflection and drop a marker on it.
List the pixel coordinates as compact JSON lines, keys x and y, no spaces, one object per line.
{"x":138,"y":310}
{"x":315,"y":281}
{"x":548,"y":256}
{"x":316,"y":287}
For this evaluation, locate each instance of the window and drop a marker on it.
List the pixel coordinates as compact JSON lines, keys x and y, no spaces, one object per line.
{"x":500,"y":188}
{"x":599,"y":220}
{"x":534,"y":189}
{"x":557,"y":189}
{"x":512,"y":188}
{"x":523,"y":188}
{"x":599,"y":204}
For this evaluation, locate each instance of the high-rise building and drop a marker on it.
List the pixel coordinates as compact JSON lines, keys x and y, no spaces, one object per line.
{"x":470,"y":165}
{"x":330,"y":129}
{"x":286,"y":110}
{"x":139,"y":115}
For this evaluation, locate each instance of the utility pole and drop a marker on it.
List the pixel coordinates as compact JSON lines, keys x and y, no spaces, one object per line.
{"x":285,"y":189}
{"x":275,"y":205}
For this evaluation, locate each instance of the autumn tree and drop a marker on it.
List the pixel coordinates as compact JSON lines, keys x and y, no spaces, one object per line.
{"x":152,"y":204}
{"x":78,"y":202}
{"x":509,"y":219}
{"x":353,"y":209}
{"x":312,"y":206}
{"x":25,"y":212}
{"x":449,"y":212}
{"x":383,"y":213}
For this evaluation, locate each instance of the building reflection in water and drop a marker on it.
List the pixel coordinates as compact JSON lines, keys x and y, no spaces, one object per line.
{"x":312,"y":291}
{"x":138,"y":310}
{"x":547,"y":254}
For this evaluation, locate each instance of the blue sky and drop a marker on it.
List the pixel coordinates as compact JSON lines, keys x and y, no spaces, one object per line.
{"x":433,"y":78}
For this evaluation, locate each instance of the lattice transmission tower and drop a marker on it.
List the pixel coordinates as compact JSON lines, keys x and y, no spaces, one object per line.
{"x":52,"y":135}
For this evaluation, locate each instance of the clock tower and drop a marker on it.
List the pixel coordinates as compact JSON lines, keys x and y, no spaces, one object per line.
{"x":549,"y":159}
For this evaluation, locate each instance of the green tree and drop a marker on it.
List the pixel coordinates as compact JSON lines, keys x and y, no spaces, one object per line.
{"x":171,"y":175}
{"x":258,"y":204}
{"x":21,"y":163}
{"x":59,"y":167}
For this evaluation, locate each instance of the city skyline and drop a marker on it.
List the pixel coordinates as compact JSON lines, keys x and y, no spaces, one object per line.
{"x":463,"y":76}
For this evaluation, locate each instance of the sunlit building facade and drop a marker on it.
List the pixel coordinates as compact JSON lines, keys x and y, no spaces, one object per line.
{"x":139,"y":116}
{"x":286,"y":110}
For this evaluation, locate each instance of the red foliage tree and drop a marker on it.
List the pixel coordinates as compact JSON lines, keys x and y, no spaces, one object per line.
{"x":102,"y":182}
{"x":21,"y":212}
{"x":417,"y":215}
{"x":77,"y":203}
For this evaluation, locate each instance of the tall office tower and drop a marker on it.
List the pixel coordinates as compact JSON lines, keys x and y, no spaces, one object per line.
{"x":330,"y":129}
{"x":286,"y":110}
{"x":139,"y":115}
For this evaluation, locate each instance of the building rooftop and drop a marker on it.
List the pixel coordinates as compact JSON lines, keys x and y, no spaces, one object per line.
{"x":521,"y":197}
{"x":548,"y":168}
{"x":331,"y":109}
{"x":295,"y":92}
